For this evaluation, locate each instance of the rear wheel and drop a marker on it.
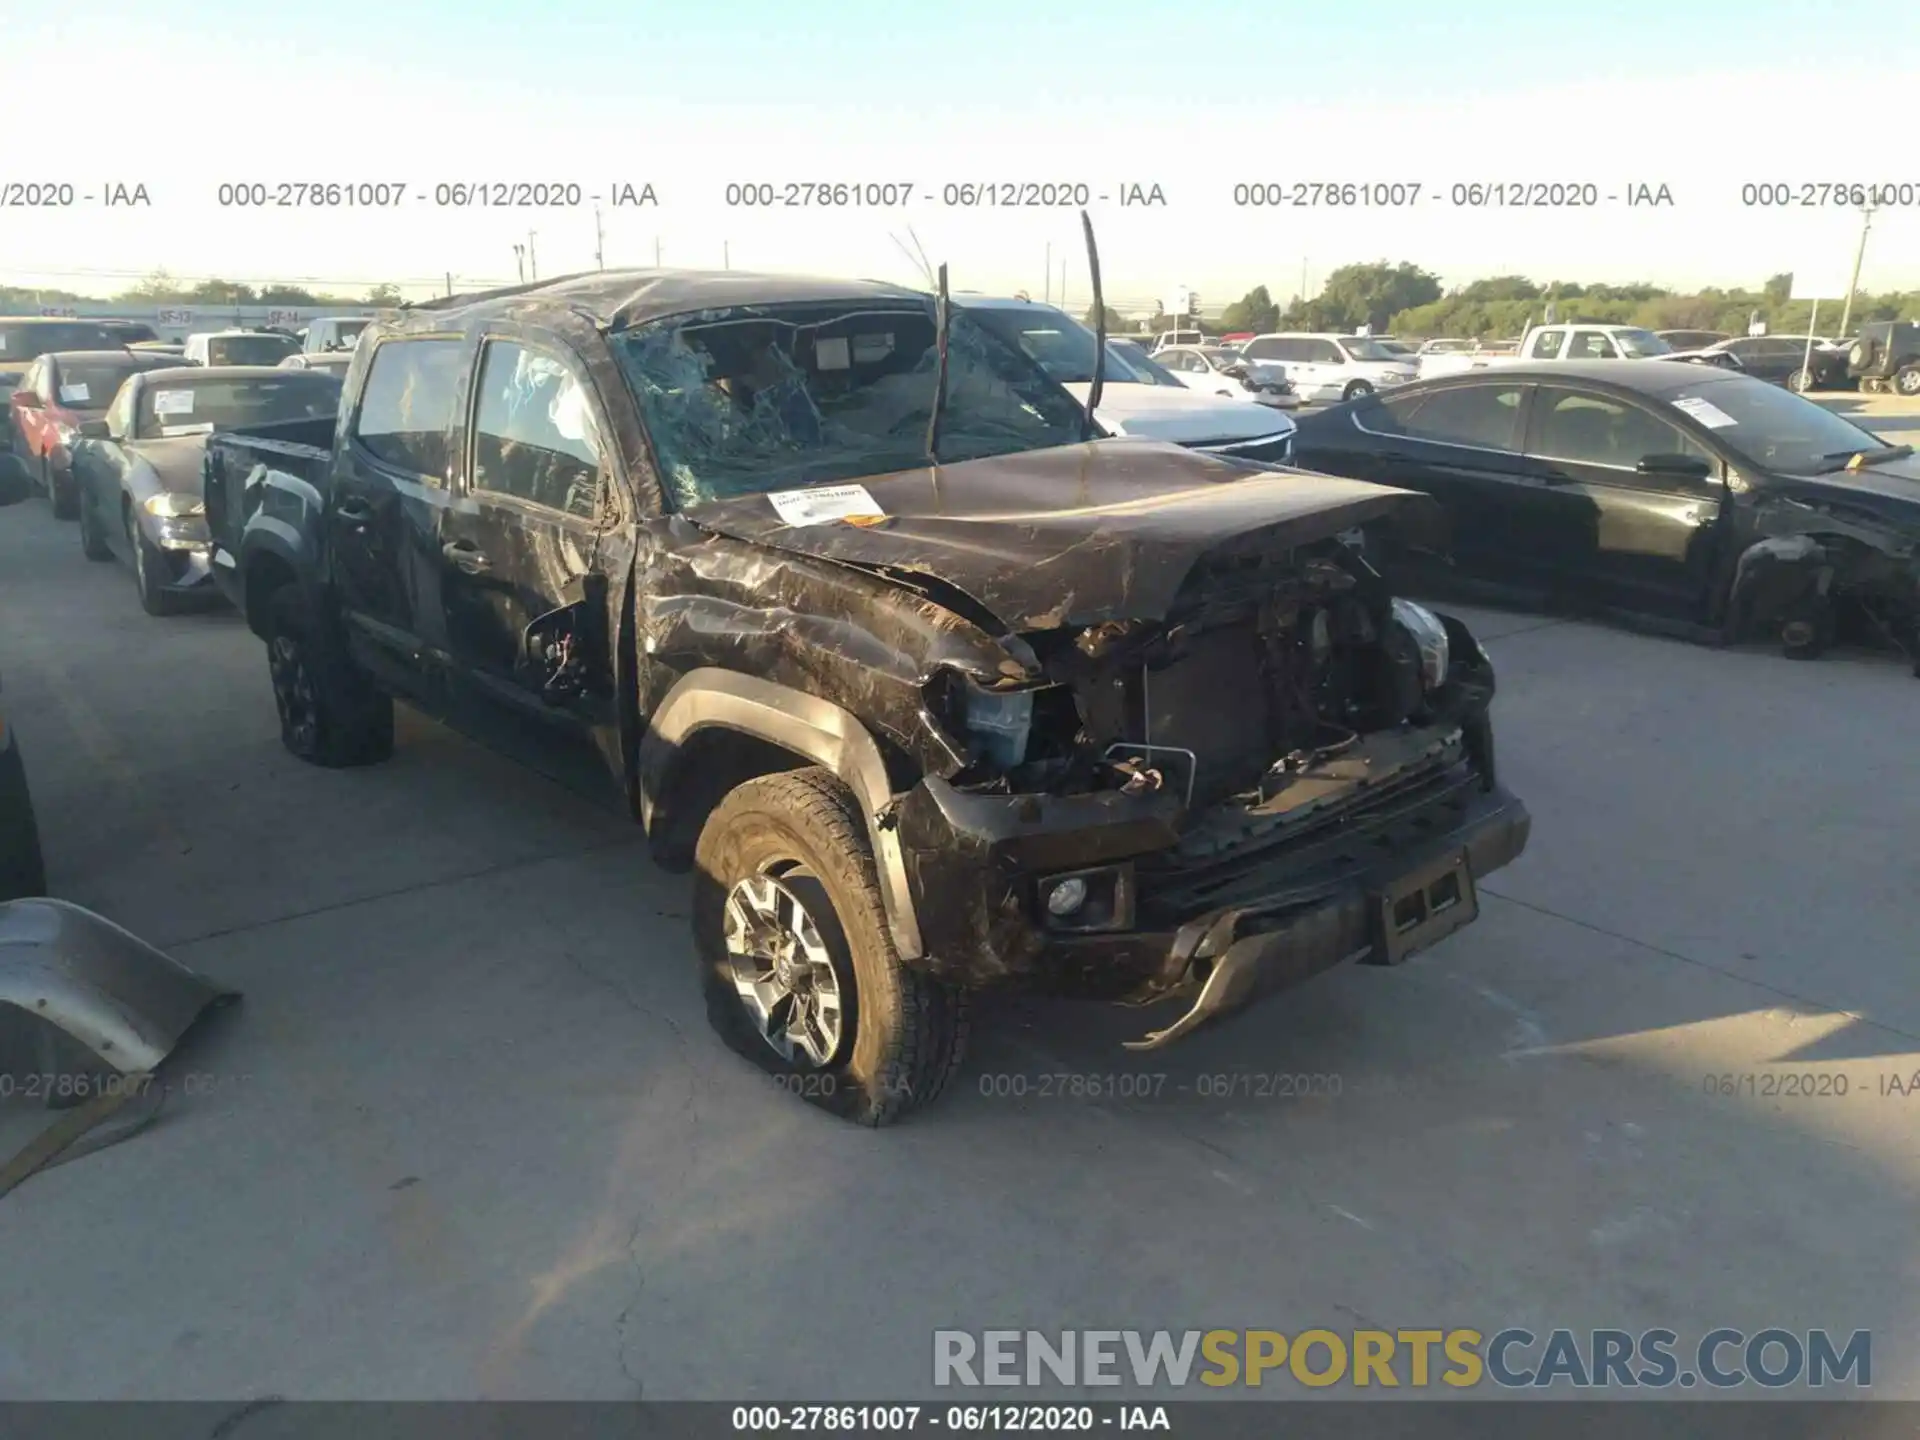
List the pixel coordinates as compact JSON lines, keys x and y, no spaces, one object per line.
{"x":330,"y":712}
{"x":1355,"y":389}
{"x":1907,"y":382}
{"x":1800,"y":381}
{"x":797,"y":962}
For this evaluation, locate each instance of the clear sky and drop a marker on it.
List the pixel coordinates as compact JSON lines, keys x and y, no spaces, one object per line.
{"x":1697,"y":95}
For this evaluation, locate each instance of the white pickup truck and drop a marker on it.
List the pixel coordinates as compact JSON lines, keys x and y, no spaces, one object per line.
{"x":1580,"y":341}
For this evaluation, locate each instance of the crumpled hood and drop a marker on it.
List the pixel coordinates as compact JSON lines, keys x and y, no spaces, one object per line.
{"x":175,"y":462}
{"x":1890,"y":489}
{"x":1186,"y":417}
{"x":1074,"y":535}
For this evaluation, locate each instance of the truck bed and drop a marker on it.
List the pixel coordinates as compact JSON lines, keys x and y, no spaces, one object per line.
{"x":237,"y":480}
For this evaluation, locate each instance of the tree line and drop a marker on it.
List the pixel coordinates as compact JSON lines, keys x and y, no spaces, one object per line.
{"x":1403,"y":299}
{"x":160,"y":288}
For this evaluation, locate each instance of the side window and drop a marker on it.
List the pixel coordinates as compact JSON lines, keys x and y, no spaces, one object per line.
{"x":535,"y":436}
{"x":1597,"y":430}
{"x":120,"y":413}
{"x":406,"y":405}
{"x":1482,"y":416}
{"x":34,"y":380}
{"x":1265,"y":350}
{"x":1546,"y":345}
{"x":1591,"y":345}
{"x":1325,"y":352}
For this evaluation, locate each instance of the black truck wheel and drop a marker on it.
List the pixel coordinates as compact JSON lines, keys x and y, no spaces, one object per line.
{"x":1907,"y":382}
{"x":330,"y":713}
{"x":796,"y":960}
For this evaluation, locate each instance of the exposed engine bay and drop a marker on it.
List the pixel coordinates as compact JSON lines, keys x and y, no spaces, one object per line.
{"x":1270,"y":664}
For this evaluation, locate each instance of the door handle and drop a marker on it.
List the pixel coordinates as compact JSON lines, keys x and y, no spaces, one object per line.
{"x":462,"y":555}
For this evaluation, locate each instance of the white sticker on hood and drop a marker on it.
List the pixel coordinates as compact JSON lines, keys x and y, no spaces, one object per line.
{"x":1705,"y":411}
{"x":822,"y":503}
{"x":75,"y":394}
{"x":173,"y":402}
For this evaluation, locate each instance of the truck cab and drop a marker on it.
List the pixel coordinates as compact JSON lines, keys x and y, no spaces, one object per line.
{"x":333,"y":332}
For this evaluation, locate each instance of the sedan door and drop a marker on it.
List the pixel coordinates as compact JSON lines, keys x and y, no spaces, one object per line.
{"x":523,"y":578}
{"x":1460,"y":443}
{"x":386,"y":494}
{"x":1635,"y":501}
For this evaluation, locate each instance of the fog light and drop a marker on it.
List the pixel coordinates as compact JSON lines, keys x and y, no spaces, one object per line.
{"x":1067,"y":896}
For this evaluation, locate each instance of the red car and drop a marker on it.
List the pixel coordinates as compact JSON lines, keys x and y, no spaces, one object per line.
{"x":59,"y":391}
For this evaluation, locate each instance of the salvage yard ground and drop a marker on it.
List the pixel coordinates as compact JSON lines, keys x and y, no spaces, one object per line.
{"x":469,"y":1135}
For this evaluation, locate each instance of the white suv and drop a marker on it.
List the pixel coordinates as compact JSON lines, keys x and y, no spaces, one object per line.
{"x":1324,"y":369}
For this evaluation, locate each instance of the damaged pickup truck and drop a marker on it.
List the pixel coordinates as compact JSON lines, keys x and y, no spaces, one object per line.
{"x":934,"y":687}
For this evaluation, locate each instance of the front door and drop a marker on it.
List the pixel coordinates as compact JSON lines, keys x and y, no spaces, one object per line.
{"x":1641,"y":539}
{"x":524,"y":556}
{"x":387,"y":492}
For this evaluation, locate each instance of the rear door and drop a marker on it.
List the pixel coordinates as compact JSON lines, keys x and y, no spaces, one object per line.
{"x":523,"y":565}
{"x":1644,"y":541}
{"x":1462,"y":445}
{"x":386,"y":494}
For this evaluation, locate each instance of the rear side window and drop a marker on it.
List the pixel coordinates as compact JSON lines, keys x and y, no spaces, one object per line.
{"x":535,"y":436}
{"x":1482,"y":416}
{"x":406,"y":406}
{"x":1545,"y":345}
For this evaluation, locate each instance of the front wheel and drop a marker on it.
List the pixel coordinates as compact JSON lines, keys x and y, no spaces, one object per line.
{"x":93,"y":544}
{"x":1907,"y":382}
{"x":330,"y":712}
{"x":149,"y":572}
{"x":1806,"y":630}
{"x":1800,"y":381}
{"x":797,"y":962}
{"x":1355,"y":389}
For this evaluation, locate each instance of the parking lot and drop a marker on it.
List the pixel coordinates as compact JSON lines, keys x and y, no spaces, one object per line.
{"x":468,"y":1135}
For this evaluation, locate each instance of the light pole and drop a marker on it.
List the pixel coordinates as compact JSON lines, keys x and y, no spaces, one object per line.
{"x":599,"y":242}
{"x":1846,"y":311}
{"x":520,"y":262}
{"x":533,"y":268}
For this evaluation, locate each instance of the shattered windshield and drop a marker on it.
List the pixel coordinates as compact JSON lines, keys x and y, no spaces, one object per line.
{"x":739,"y":402}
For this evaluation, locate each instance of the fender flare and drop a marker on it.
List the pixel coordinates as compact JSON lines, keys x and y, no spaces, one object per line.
{"x":268,"y":535}
{"x":826,"y":733}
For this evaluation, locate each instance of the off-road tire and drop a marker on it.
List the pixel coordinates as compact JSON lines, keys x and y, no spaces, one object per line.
{"x":905,"y":1032}
{"x":92,"y":544}
{"x":343,"y":719}
{"x":1907,"y":380}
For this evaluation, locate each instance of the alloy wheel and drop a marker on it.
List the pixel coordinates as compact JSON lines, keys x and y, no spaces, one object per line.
{"x":783,"y":972}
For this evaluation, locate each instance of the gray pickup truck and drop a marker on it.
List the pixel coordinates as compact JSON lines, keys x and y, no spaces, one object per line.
{"x":934,"y":687}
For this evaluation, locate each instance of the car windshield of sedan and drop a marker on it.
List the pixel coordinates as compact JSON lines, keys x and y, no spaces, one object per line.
{"x":1363,"y":347}
{"x":91,"y":384}
{"x":191,"y":406}
{"x":250,"y":349}
{"x":1771,"y":427}
{"x":740,"y":402}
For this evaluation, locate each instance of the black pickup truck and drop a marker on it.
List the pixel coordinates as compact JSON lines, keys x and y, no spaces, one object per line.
{"x":934,"y":687}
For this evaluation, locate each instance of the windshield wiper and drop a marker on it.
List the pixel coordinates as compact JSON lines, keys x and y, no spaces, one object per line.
{"x":1841,"y":459}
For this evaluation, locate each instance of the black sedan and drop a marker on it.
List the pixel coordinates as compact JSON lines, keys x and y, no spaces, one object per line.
{"x":138,"y":471}
{"x":1710,"y":502}
{"x":1786,"y":360}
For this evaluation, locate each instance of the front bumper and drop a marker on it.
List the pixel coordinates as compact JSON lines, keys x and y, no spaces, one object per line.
{"x":1375,"y":883}
{"x":1412,"y":898}
{"x":185,"y":548}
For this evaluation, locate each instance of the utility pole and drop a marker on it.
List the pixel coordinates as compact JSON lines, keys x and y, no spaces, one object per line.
{"x":533,"y":268}
{"x":449,"y":282}
{"x":1846,"y":311}
{"x":1063,"y":283}
{"x":1303,"y":279}
{"x":656,"y":252}
{"x":726,"y":254}
{"x":1046,"y":284}
{"x":520,"y":262}
{"x":599,"y":242}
